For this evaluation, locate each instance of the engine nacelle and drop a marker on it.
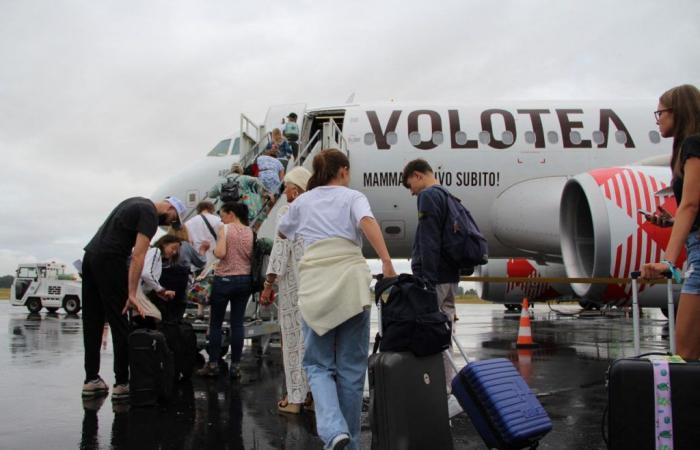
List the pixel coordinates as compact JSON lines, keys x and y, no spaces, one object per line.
{"x":513,"y":293}
{"x":603,"y":235}
{"x":526,"y":216}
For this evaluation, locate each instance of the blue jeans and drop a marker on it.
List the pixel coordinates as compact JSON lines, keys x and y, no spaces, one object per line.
{"x":235,"y":289}
{"x":336,"y":364}
{"x":691,"y":284}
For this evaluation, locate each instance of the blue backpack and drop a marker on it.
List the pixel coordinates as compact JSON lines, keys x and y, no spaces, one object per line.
{"x":462,"y":241}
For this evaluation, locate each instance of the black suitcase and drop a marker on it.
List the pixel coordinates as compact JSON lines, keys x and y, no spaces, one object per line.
{"x":408,"y":401}
{"x":182,"y":342}
{"x":632,"y":408}
{"x":151,"y":368}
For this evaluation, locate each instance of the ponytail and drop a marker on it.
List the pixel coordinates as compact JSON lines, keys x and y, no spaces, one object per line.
{"x":326,"y":166}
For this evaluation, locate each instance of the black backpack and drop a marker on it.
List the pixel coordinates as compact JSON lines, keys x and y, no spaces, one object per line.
{"x":411,"y":319}
{"x":462,"y":242}
{"x":230,"y":191}
{"x":261,"y":249}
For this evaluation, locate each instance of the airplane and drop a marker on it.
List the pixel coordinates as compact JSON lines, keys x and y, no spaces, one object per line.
{"x":555,"y":186}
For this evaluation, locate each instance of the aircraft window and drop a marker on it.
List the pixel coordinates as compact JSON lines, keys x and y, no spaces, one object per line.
{"x":236,"y":150}
{"x":369,"y":138}
{"x":598,"y":137}
{"x":552,"y":137}
{"x":392,"y":138}
{"x":575,"y":137}
{"x":530,"y":137}
{"x":461,"y":138}
{"x":620,"y":137}
{"x":654,"y":137}
{"x":507,"y":137}
{"x":221,"y":148}
{"x":414,"y":138}
{"x":484,"y":137}
{"x":438,"y":138}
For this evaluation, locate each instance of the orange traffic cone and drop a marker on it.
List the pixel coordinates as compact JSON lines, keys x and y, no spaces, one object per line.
{"x":525,"y":331}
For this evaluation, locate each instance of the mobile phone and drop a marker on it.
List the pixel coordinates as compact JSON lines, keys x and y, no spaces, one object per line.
{"x":646,"y":214}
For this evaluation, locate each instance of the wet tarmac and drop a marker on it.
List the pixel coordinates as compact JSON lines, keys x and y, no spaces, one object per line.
{"x":41,"y":373}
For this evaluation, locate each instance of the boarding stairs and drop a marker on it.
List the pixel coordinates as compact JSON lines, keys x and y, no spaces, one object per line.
{"x":262,"y":323}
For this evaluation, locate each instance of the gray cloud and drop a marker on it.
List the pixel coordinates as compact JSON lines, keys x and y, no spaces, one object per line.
{"x":102,"y":100}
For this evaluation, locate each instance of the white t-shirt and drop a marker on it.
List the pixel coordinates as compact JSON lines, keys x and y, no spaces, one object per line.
{"x":325,"y":212}
{"x":199,"y":232}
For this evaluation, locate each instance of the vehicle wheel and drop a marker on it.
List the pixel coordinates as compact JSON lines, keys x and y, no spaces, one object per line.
{"x":71,"y":304}
{"x":34,"y":304}
{"x":52,"y":310}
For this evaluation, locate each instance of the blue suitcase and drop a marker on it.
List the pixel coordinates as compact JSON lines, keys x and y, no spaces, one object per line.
{"x":500,"y":404}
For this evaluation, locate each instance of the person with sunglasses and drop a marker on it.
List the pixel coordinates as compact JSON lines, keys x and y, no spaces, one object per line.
{"x":678,"y":116}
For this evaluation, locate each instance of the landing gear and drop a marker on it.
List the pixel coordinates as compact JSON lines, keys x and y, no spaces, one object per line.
{"x":664,"y":311}
{"x":513,"y":307}
{"x":589,"y":306}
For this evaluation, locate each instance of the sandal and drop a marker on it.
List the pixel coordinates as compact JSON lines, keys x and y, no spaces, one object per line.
{"x":289,"y":408}
{"x":309,"y":403}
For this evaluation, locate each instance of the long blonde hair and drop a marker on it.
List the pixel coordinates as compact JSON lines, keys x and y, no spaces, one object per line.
{"x":180,"y":233}
{"x":684,"y":102}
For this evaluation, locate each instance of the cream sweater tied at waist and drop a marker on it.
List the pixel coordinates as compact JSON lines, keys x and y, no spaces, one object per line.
{"x":334,"y":281}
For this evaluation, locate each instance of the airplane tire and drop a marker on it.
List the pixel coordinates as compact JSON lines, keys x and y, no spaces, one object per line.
{"x":588,"y":306}
{"x":664,"y":311}
{"x":34,"y":304}
{"x":71,"y":304}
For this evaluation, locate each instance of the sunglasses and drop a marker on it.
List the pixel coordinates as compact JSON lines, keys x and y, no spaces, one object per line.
{"x":658,"y":113}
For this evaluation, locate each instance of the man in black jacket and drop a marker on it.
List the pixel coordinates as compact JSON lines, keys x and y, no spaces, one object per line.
{"x":426,"y":258}
{"x":110,"y":283}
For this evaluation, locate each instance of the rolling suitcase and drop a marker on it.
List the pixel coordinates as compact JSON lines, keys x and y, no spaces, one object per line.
{"x":182,"y":342}
{"x":151,"y":368}
{"x":408,"y":401}
{"x":653,"y":403}
{"x":500,"y":404}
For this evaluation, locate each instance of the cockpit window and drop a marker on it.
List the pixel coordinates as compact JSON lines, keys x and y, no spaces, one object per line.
{"x":236,"y":150}
{"x":221,"y":148}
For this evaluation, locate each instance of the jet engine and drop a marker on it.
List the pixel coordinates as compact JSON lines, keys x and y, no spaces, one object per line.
{"x":513,"y":293}
{"x":604,"y":235}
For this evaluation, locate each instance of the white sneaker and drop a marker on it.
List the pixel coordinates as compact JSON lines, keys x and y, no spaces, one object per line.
{"x":95,"y":388}
{"x":120,"y":391}
{"x":339,"y":442}
{"x":453,"y":406}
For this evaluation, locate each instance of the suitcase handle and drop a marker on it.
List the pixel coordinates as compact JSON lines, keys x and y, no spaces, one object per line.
{"x":670,"y":305}
{"x":448,"y":352}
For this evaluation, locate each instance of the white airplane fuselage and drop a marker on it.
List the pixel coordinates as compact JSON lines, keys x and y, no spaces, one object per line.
{"x":508,"y":162}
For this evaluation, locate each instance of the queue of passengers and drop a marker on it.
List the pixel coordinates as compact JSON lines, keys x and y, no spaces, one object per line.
{"x":322,"y":277}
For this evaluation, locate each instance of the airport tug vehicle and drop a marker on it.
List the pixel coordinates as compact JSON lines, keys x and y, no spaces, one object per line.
{"x":46,"y":285}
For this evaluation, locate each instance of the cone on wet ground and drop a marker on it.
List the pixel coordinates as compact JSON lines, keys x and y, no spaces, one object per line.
{"x":525,"y":330}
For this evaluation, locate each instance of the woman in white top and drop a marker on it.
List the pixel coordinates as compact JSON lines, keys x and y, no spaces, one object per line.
{"x":165,"y":248}
{"x":334,"y":296}
{"x":284,"y":268}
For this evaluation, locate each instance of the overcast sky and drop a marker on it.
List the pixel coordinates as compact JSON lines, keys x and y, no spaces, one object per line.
{"x":101,"y":100}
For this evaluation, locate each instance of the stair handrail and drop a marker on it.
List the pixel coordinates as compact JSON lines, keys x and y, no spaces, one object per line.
{"x":333,"y":137}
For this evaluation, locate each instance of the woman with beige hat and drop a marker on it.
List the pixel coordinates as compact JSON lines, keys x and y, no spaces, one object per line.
{"x":283,"y":269}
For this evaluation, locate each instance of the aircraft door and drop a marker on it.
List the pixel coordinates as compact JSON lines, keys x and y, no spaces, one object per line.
{"x":277,"y":115}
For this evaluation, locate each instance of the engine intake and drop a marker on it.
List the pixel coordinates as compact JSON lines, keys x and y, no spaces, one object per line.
{"x":603,"y":235}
